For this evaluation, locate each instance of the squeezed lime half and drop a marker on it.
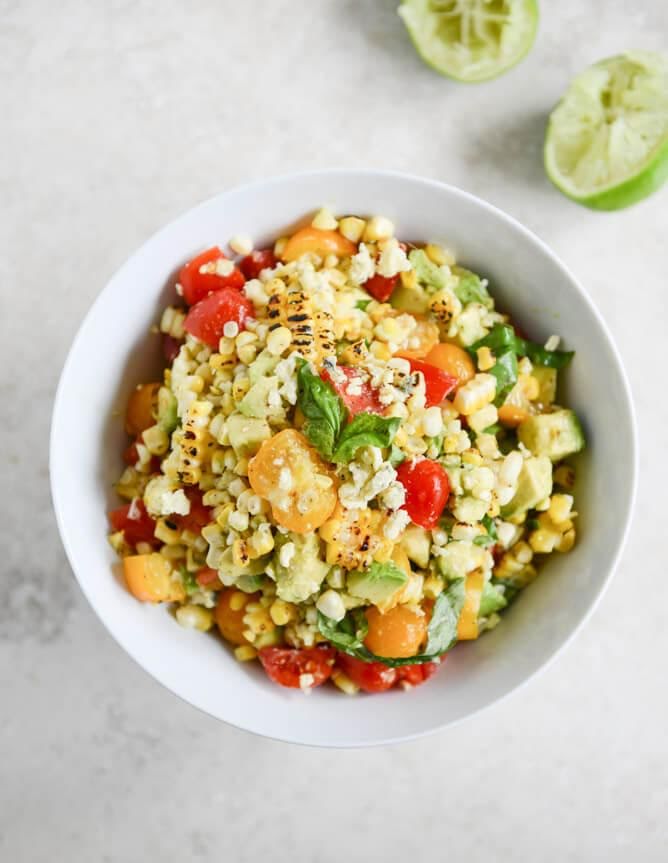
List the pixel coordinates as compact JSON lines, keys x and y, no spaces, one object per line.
{"x":471,"y":40}
{"x":606,"y":144}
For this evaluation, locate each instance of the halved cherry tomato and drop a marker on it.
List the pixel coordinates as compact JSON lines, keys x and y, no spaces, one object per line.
{"x":136,"y":524}
{"x":259,"y":259}
{"x":131,"y":457}
{"x":208,"y":578}
{"x":149,"y":578}
{"x":363,"y":396}
{"x":453,"y":360}
{"x":381,"y":287}
{"x":369,"y":676}
{"x":398,"y":632}
{"x":206,"y":320}
{"x":199,"y":515}
{"x":286,"y":665}
{"x":427,"y":490}
{"x":437,"y":382}
{"x":317,"y":242}
{"x":417,"y":674}
{"x":170,"y":347}
{"x":422,"y":339}
{"x":141,"y":409}
{"x":197,"y":285}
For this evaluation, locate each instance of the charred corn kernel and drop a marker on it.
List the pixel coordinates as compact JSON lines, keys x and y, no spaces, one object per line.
{"x":444,"y":305}
{"x":155,"y":440}
{"x":485,"y":359}
{"x":409,"y":280}
{"x":312,"y":329}
{"x":378,"y":228}
{"x":352,"y":228}
{"x":483,"y":418}
{"x":475,"y":394}
{"x":544,"y":541}
{"x":240,"y":554}
{"x":118,"y":543}
{"x":344,"y":683}
{"x":494,"y":508}
{"x":567,"y":541}
{"x":433,"y":586}
{"x":560,"y":507}
{"x":278,"y":341}
{"x":324,"y":220}
{"x":171,"y":322}
{"x":194,"y":617}
{"x":564,"y":476}
{"x":472,"y":456}
{"x":282,"y":612}
{"x":193,"y":442}
{"x":245,"y":653}
{"x":167,"y":532}
{"x":355,"y":537}
{"x":355,"y":354}
{"x":240,"y":387}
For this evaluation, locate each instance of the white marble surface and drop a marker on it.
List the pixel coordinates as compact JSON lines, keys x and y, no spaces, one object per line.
{"x":116,"y":116}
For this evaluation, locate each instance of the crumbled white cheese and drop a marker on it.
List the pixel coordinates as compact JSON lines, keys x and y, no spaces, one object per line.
{"x":362,"y":266}
{"x":392,"y":259}
{"x":396,"y":524}
{"x":162,"y":498}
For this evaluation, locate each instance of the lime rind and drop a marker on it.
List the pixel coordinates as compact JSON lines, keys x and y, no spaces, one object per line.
{"x":606,"y":144}
{"x":471,"y":40}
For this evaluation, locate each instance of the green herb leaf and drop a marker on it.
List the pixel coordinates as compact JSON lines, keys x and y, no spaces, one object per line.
{"x":324,"y":411}
{"x":362,"y":304}
{"x":189,"y":582}
{"x":505,"y":372}
{"x":365,"y":430}
{"x":470,"y":288}
{"x":494,"y":429}
{"x":552,"y":359}
{"x":396,"y":456}
{"x":503,"y":337}
{"x":491,"y":538}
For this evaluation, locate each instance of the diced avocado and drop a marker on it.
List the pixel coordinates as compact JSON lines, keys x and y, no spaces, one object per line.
{"x":492,"y":600}
{"x":412,"y":300}
{"x":229,"y":572}
{"x":262,"y":366}
{"x":168,"y":417}
{"x":416,"y":543}
{"x":247,"y":433}
{"x":254,"y":403}
{"x":547,"y":381}
{"x":533,"y":485}
{"x":378,"y":583}
{"x":554,"y":435}
{"x":305,"y":571}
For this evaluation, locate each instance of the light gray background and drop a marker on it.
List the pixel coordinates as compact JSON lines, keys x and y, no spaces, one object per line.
{"x":115,"y":117}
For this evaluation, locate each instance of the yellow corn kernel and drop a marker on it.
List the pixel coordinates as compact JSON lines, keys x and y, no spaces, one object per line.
{"x":493,"y":509}
{"x":352,"y":228}
{"x":560,"y":507}
{"x":433,"y":586}
{"x":564,"y":476}
{"x":240,"y":554}
{"x":529,"y":386}
{"x":439,"y":255}
{"x":324,"y":220}
{"x":118,"y":543}
{"x":485,"y":359}
{"x":472,"y":456}
{"x":543,"y":541}
{"x":193,"y":442}
{"x":344,"y":683}
{"x":224,"y":515}
{"x":238,"y":600}
{"x":378,"y":228}
{"x":214,"y":497}
{"x":194,"y":617}
{"x":261,"y":542}
{"x":279,"y":246}
{"x":173,"y":552}
{"x":518,"y":518}
{"x":380,"y":351}
{"x":258,"y":619}
{"x":245,"y":653}
{"x":165,"y":533}
{"x":409,"y":280}
{"x":240,"y":386}
{"x":241,"y":467}
{"x":282,"y":612}
{"x":567,"y":541}
{"x":188,"y":538}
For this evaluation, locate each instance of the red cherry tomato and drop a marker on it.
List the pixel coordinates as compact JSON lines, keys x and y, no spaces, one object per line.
{"x":381,"y":287}
{"x":170,"y":347}
{"x":206,"y":320}
{"x":286,"y":665}
{"x":136,"y":524}
{"x":417,"y":674}
{"x":356,"y":393}
{"x":197,"y":285}
{"x":427,"y":490}
{"x":259,"y":259}
{"x":199,"y":515}
{"x":369,"y":676}
{"x":437,"y":382}
{"x":131,"y":457}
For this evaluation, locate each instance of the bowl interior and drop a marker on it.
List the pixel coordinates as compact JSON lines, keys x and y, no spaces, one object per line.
{"x":113,"y":352}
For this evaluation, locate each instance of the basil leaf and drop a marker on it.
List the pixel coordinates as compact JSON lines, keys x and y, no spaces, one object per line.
{"x":348,"y":634}
{"x":503,"y":336}
{"x":190,"y":584}
{"x":396,"y":456}
{"x":365,"y":430}
{"x":505,"y":372}
{"x":491,"y":537}
{"x":470,"y":288}
{"x":324,"y":411}
{"x":499,"y":339}
{"x":494,"y":429}
{"x":552,"y":359}
{"x":362,"y":304}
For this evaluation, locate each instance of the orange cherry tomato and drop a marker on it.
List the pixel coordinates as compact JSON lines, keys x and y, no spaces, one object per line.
{"x":512,"y":415}
{"x":319,"y":243}
{"x":142,"y":408}
{"x":229,"y":614}
{"x":397,"y":633}
{"x":421,"y":340}
{"x":453,"y":360}
{"x":467,"y":626}
{"x":149,"y":578}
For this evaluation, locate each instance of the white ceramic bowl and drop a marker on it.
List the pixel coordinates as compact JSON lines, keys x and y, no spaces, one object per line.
{"x":113,"y":352}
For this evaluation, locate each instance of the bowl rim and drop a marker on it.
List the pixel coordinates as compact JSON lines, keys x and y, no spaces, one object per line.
{"x":332,"y":174}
